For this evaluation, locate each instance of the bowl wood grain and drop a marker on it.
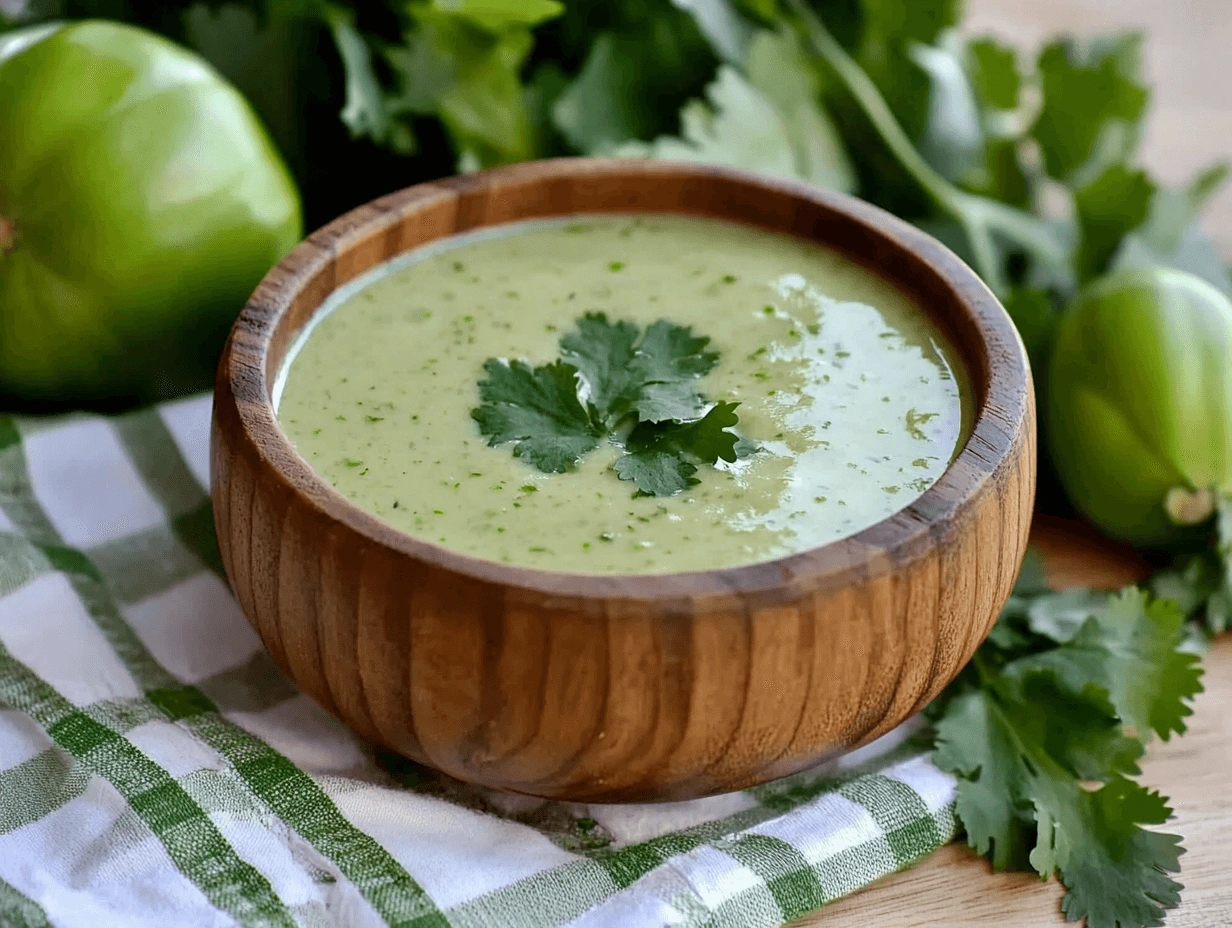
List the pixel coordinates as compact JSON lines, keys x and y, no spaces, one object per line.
{"x":619,"y":687}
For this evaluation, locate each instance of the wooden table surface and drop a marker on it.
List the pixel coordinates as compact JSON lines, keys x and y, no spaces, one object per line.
{"x":1191,"y":126}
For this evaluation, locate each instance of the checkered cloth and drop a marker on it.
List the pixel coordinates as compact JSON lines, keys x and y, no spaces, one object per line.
{"x":157,"y":769}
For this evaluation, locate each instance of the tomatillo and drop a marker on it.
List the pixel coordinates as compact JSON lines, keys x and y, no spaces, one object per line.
{"x":1140,"y":404}
{"x":141,"y":201}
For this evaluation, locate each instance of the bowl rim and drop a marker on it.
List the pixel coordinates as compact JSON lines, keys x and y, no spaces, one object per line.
{"x":1000,"y":377}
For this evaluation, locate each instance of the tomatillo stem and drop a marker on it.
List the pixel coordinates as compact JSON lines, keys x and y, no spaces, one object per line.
{"x":1189,"y":507}
{"x":8,"y":235}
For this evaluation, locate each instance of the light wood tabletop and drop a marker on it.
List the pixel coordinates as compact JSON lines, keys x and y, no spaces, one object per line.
{"x":1190,"y":126}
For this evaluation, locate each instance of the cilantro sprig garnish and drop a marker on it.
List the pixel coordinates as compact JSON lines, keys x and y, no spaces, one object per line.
{"x":613,"y":381}
{"x":1044,"y":730}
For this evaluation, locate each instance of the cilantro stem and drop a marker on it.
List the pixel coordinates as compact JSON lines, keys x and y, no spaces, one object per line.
{"x":979,"y":216}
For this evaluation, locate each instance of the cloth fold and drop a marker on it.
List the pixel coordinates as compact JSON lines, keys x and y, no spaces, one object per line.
{"x":156,"y":768}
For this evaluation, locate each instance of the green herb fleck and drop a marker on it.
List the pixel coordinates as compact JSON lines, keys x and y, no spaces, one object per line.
{"x":915,"y":420}
{"x":616,"y":266}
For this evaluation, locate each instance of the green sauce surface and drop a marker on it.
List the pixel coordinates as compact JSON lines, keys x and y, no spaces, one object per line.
{"x":855,"y":397}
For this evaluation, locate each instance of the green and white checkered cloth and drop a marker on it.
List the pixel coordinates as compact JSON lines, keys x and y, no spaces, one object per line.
{"x":157,"y":769}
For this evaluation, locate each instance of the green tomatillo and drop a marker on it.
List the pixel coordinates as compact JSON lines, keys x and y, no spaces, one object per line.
{"x":141,"y":201}
{"x":1140,"y":404}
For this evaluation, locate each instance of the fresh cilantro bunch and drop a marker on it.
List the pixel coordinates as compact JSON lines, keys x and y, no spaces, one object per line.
{"x":879,"y":98}
{"x":1044,"y":730}
{"x":636,"y":388}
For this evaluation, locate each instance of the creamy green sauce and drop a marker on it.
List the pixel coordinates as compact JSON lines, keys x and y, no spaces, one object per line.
{"x":853,"y":395}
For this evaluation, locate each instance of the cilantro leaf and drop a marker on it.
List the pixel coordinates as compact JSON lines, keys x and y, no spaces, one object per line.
{"x":710,"y":438}
{"x":1061,"y":616}
{"x":657,"y":455}
{"x":1109,"y":207}
{"x":1117,"y":875}
{"x":1081,"y":730}
{"x":890,"y":28}
{"x":653,"y":376}
{"x":994,"y":73}
{"x":1190,"y":584}
{"x":1127,"y":649}
{"x":678,"y":400}
{"x":463,"y":65}
{"x":1066,"y":692}
{"x":538,"y":408}
{"x":995,"y":740}
{"x":601,"y":107}
{"x":656,"y":472}
{"x":765,"y":117}
{"x":736,"y":126}
{"x":603,"y":353}
{"x":671,"y":352}
{"x":1094,"y":99}
{"x":777,"y":66}
{"x":998,"y":234}
{"x":634,"y":65}
{"x":366,"y":111}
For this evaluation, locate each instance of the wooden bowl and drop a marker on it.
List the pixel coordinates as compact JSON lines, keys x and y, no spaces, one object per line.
{"x":619,"y":687}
